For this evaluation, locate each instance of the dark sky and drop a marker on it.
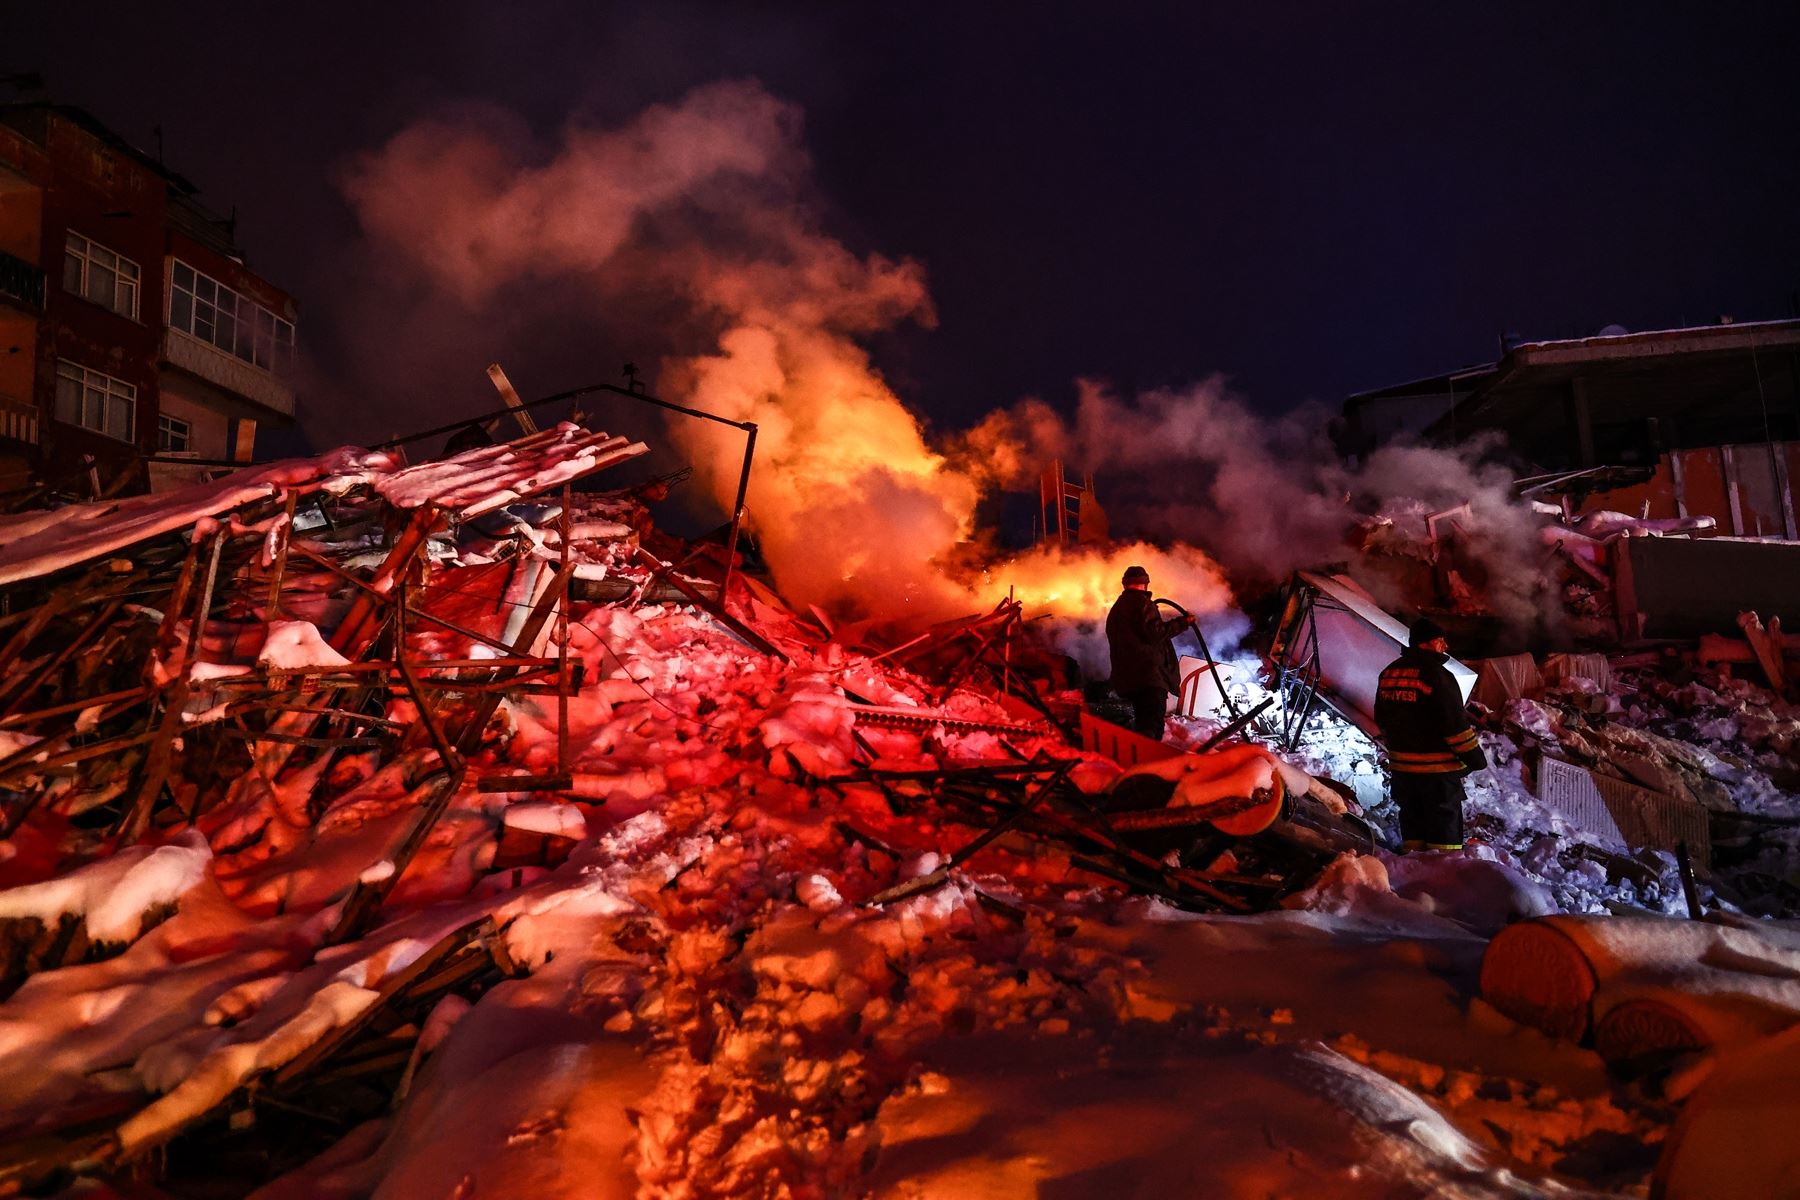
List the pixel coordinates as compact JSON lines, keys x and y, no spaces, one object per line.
{"x":1312,"y":199}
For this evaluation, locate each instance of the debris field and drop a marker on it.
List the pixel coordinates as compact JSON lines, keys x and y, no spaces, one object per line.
{"x":446,"y":829}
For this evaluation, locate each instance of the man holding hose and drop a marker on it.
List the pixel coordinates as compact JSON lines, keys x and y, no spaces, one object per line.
{"x":1144,"y":670}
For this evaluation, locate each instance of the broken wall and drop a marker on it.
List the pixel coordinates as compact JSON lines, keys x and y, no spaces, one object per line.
{"x":1682,"y":587}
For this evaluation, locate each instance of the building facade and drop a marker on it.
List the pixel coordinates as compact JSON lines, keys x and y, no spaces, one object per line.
{"x":136,"y":347}
{"x":1702,"y":421}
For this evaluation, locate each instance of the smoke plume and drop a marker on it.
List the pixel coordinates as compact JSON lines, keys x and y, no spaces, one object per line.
{"x":1265,"y":497}
{"x":701,"y":212}
{"x":706,"y":204}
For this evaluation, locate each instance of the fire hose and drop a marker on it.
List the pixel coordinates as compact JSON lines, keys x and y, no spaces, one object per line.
{"x":1206,"y":656}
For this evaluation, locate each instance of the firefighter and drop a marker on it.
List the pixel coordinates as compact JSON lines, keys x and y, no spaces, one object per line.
{"x":1430,"y":745}
{"x":1143,"y":660}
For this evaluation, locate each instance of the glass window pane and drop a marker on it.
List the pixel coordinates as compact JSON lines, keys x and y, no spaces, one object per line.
{"x":184,"y":276}
{"x":128,"y":269}
{"x":118,"y":418}
{"x":93,"y":407}
{"x":205,"y":289}
{"x":71,"y":274}
{"x":104,"y":257}
{"x":203,"y":320}
{"x":100,"y":284}
{"x":68,"y":398}
{"x":181,"y":311}
{"x":127,"y":305}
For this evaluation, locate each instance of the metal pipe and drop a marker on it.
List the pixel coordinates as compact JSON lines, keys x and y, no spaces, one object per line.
{"x":737,"y":512}
{"x":571,"y":394}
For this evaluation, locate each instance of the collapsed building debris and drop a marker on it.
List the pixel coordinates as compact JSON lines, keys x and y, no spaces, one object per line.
{"x":376,"y":782}
{"x":1616,"y":699}
{"x":351,"y":718}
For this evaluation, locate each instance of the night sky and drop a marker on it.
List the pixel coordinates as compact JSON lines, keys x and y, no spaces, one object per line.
{"x":1312,"y":200}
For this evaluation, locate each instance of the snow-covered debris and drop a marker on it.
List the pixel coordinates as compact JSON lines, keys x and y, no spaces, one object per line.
{"x":491,"y":477}
{"x":39,"y":543}
{"x":546,"y":817}
{"x":297,"y":645}
{"x":1736,"y":1129}
{"x":114,"y":896}
{"x":718,"y":897}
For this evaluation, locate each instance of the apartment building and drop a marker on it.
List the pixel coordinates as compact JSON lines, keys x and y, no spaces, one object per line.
{"x":137,"y":348}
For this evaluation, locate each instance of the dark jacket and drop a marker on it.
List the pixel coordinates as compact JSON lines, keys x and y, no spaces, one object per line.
{"x":1420,"y":711}
{"x":1142,"y":657}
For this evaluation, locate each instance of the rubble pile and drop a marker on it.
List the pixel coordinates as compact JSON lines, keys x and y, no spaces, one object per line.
{"x":1526,"y":573}
{"x":322,"y":762}
{"x":444,"y":828}
{"x":1660,"y":753}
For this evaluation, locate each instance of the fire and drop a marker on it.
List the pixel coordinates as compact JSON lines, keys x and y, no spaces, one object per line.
{"x":1084,"y":582}
{"x":855,"y":509}
{"x":707,"y":202}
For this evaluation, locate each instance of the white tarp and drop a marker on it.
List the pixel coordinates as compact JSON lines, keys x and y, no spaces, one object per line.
{"x":1356,"y":640}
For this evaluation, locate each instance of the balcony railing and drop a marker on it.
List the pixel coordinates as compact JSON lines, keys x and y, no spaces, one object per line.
{"x":18,"y":420}
{"x":21,"y":282}
{"x":227,"y":371}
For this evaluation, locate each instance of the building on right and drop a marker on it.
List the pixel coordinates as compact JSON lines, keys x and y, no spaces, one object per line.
{"x":1701,"y":421}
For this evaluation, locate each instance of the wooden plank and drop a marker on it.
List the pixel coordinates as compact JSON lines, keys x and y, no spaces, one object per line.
{"x":358,"y":626}
{"x":507,"y":393}
{"x":156,"y":770}
{"x":1766,"y":646}
{"x":295,"y":739}
{"x":73,"y":646}
{"x":391,"y":988}
{"x":61,"y":599}
{"x":365,"y":586}
{"x":273,"y":607}
{"x":366,"y":898}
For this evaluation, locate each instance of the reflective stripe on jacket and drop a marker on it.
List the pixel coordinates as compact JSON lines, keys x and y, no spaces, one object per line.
{"x":1420,"y":711}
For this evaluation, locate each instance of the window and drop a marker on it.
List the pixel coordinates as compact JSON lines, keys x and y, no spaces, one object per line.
{"x":95,"y":401}
{"x":172,"y":434}
{"x":235,"y":324}
{"x":95,"y":273}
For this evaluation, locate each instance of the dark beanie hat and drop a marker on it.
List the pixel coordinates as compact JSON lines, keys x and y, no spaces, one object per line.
{"x":1424,"y":630}
{"x":1136,"y":575}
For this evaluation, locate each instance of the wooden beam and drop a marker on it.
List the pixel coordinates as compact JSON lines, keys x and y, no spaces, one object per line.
{"x":507,"y":393}
{"x":156,"y":769}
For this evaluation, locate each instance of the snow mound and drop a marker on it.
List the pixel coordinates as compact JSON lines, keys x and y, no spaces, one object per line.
{"x":297,"y":645}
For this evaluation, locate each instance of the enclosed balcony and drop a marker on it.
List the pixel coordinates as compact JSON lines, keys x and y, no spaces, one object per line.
{"x":20,"y":282}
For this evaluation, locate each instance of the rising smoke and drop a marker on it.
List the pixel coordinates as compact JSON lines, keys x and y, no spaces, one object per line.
{"x":708,"y":201}
{"x":702,"y":210}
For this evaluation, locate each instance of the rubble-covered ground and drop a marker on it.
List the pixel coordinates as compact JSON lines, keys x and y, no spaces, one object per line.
{"x":706,"y":1008}
{"x":686,"y":986}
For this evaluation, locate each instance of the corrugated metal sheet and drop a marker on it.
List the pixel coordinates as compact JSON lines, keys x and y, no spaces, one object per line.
{"x":1623,"y":812}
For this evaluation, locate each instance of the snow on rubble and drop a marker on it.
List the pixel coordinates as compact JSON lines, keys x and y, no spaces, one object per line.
{"x":516,"y":864}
